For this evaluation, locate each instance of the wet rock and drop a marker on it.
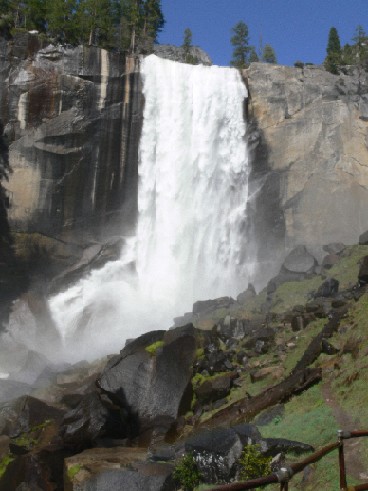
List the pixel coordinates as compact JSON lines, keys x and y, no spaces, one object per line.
{"x":118,"y":468}
{"x":154,"y":388}
{"x":363,"y":238}
{"x":330,"y":260}
{"x":214,"y":388}
{"x":90,"y":420}
{"x":207,"y":306}
{"x":247,"y":295}
{"x":178,"y":53}
{"x":262,"y":373}
{"x":216,"y":452}
{"x":328,"y":288}
{"x":335,"y":248}
{"x":299,"y":260}
{"x":248,"y":433}
{"x":270,"y":414}
{"x":274,"y":446}
{"x":328,"y":348}
{"x":363,"y":272}
{"x":300,"y":322}
{"x":22,"y":414}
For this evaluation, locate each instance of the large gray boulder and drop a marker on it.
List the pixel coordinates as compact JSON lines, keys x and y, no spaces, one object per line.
{"x":110,"y":469}
{"x":216,"y":453}
{"x":151,"y":378}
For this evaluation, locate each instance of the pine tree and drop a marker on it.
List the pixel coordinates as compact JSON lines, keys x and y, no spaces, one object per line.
{"x":361,"y":45}
{"x":269,"y":55}
{"x":333,"y":58}
{"x":240,"y":42}
{"x":187,"y":46}
{"x":95,"y":20}
{"x":253,"y":57}
{"x":61,"y":20}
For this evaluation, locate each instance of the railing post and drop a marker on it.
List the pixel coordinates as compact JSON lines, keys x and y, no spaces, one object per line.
{"x":283,"y":476}
{"x":343,"y":483}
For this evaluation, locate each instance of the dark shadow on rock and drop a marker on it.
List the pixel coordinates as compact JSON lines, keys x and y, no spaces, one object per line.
{"x":266,"y":220}
{"x":12,"y":281}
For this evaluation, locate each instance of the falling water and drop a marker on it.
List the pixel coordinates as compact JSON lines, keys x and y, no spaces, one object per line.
{"x":191,"y":236}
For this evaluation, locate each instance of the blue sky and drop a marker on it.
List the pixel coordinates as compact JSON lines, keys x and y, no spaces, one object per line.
{"x":297,"y":29}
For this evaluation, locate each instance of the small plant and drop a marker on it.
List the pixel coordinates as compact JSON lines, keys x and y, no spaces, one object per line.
{"x":187,"y":473}
{"x":4,"y":462}
{"x":152,"y":348}
{"x":73,"y":471}
{"x":253,"y":464}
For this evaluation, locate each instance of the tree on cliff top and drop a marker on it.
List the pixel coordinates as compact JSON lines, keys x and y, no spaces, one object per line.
{"x":240,"y":42}
{"x":333,"y":58}
{"x":187,"y":46}
{"x":268,"y":54}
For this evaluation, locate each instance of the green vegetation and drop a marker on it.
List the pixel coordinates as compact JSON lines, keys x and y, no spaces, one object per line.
{"x":187,"y":45}
{"x":269,"y":55}
{"x":152,"y":348}
{"x":333,"y":58}
{"x":244,"y":53}
{"x":253,"y":464}
{"x":130,"y":25}
{"x":73,"y":471}
{"x":240,"y":42}
{"x":4,"y":462}
{"x":349,"y":54}
{"x":187,"y":473}
{"x":30,"y":438}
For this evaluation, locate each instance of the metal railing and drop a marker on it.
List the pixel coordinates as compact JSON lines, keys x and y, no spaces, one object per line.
{"x":285,"y":474}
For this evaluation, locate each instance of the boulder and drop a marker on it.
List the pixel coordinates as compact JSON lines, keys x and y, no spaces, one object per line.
{"x":363,"y":238}
{"x":299,"y":260}
{"x":273,"y":446}
{"x":335,"y":248}
{"x":216,"y":452}
{"x":207,"y":306}
{"x":214,"y":388}
{"x":270,"y":414}
{"x":248,"y":433}
{"x":299,"y":322}
{"x":275,"y":371}
{"x":178,"y":53}
{"x":90,"y":420}
{"x":363,"y":272}
{"x":153,"y":387}
{"x":22,"y":414}
{"x":247,"y":295}
{"x":105,"y":469}
{"x":330,"y":260}
{"x":328,"y":348}
{"x":329,"y":288}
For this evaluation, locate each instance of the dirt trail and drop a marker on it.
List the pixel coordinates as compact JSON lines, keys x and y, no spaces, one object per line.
{"x":354,"y":465}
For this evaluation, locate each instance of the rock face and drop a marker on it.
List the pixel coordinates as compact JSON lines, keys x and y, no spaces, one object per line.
{"x":73,"y":118}
{"x":155,"y":387}
{"x":308,"y":138}
{"x":177,"y":53}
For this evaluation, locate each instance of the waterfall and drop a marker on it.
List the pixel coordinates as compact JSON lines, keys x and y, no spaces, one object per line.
{"x":191,"y":234}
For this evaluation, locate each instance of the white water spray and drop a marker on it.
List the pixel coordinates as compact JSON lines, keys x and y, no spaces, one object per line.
{"x":193,"y":188}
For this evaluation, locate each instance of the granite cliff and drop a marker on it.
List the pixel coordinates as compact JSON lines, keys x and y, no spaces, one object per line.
{"x":73,"y":118}
{"x":308,"y":138}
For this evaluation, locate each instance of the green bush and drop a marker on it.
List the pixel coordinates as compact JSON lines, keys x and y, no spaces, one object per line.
{"x":253,"y":464}
{"x":152,"y":348}
{"x":187,"y":473}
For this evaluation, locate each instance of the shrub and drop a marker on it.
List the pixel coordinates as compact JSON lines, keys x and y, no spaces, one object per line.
{"x":253,"y":464}
{"x":187,"y":473}
{"x":152,"y":348}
